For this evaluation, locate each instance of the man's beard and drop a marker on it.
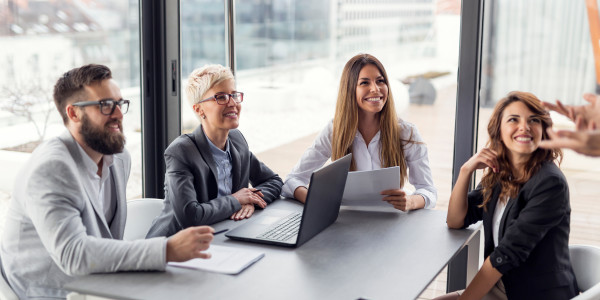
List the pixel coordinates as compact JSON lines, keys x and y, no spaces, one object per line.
{"x":102,"y":140}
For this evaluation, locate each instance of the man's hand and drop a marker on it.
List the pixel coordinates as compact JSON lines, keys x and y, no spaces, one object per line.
{"x":189,"y":243}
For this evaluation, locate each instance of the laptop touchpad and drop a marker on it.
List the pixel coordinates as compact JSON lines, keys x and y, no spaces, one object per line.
{"x":268,"y":220}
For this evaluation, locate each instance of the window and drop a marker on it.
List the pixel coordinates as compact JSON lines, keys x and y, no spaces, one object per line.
{"x":544,"y":47}
{"x":290,"y":54}
{"x":42,"y":40}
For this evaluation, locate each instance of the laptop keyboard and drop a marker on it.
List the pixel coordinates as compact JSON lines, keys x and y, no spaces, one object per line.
{"x":284,"y":229}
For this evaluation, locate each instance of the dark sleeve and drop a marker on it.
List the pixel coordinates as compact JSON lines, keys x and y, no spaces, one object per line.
{"x":547,"y":205}
{"x":474,"y":212}
{"x":261,"y":177}
{"x":179,"y":185}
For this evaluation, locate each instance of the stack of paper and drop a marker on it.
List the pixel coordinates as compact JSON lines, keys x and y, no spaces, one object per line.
{"x":226,"y":260}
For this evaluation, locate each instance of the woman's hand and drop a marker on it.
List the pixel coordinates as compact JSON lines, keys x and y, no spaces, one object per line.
{"x":400,"y":201}
{"x":244,"y":213}
{"x":250,"y":196}
{"x":485,"y":158}
{"x":458,"y":204}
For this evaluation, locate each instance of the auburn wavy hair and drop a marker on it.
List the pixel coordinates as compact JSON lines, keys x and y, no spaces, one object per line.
{"x":504,"y":177}
{"x":345,"y":121}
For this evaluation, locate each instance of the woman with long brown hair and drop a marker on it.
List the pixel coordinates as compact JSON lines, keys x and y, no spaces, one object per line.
{"x":523,"y":200}
{"x":366,"y":125}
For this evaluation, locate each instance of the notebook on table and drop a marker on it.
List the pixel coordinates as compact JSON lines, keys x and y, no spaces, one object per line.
{"x":293,"y":228}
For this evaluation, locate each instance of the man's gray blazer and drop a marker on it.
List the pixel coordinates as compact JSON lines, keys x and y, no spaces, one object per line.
{"x":191,"y":190}
{"x":54,"y":230}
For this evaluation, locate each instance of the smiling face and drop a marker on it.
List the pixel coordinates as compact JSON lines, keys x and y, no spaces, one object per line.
{"x":217,"y":117}
{"x":371,"y":90}
{"x":520,"y":130}
{"x":102,"y":133}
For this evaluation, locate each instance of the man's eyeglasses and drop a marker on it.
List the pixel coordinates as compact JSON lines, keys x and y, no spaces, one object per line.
{"x":107,"y":106}
{"x":223,"y":98}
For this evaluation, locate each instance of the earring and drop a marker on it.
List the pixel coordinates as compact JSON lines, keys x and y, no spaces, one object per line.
{"x":203,"y":117}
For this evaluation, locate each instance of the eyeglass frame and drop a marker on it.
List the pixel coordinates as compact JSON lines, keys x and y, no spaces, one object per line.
{"x":229,"y":97}
{"x":102,"y":102}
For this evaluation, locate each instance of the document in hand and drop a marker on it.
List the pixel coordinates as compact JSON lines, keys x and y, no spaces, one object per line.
{"x":363,"y":188}
{"x":226,"y":260}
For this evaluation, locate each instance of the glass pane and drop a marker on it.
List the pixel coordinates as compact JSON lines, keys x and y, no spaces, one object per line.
{"x":202,"y":24}
{"x":40,"y":41}
{"x":544,"y":47}
{"x":290,"y":55}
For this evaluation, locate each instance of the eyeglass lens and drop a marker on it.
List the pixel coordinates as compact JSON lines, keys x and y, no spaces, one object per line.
{"x":224,"y":98}
{"x":107,"y":107}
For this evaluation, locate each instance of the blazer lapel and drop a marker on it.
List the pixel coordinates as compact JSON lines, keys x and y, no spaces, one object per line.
{"x":235,"y":166}
{"x":493,"y":204}
{"x":70,"y":142}
{"x":118,"y":222}
{"x":509,"y":205}
{"x":202,"y":144}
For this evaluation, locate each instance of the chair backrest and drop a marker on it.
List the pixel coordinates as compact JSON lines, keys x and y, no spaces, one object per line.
{"x":6,"y":292}
{"x":586,"y":264}
{"x":140,"y":214}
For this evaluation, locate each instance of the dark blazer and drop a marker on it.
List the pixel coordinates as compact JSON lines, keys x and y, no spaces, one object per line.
{"x":533,"y":239}
{"x":191,"y":188}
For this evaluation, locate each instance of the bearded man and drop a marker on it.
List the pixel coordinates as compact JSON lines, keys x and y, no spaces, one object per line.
{"x":67,"y":213}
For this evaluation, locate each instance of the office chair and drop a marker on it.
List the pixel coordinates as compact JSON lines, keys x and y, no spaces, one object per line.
{"x":140,"y":214}
{"x":586,"y":264}
{"x":6,"y":292}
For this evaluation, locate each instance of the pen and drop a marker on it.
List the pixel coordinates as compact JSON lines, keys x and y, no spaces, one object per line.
{"x":220,"y":231}
{"x":256,"y":191}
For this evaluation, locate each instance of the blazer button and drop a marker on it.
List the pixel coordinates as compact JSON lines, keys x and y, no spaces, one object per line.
{"x":498,"y":259}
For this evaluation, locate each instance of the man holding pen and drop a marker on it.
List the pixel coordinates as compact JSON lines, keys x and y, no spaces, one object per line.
{"x":67,"y":215}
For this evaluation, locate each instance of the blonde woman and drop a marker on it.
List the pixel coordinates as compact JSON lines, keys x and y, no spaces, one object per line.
{"x":365,"y":124}
{"x":208,"y":171}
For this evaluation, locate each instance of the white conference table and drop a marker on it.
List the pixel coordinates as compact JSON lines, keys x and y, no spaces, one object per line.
{"x":371,"y":255}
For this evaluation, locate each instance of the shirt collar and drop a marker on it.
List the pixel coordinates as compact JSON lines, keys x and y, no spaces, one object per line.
{"x":359,"y":136}
{"x":90,"y":166}
{"x":216,"y":151}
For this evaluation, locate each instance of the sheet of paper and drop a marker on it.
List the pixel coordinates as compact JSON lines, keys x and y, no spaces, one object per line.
{"x":226,"y":260}
{"x":363,"y":188}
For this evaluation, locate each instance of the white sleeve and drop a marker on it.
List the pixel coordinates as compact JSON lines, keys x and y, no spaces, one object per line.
{"x":312,"y":159}
{"x":417,"y":161}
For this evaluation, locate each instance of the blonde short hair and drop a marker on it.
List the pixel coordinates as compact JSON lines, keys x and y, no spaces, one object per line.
{"x":203,"y":79}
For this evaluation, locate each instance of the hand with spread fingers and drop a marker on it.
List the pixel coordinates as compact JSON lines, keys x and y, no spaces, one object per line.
{"x":587,"y":113}
{"x":586,"y":138}
{"x":582,"y":142}
{"x":190,"y":243}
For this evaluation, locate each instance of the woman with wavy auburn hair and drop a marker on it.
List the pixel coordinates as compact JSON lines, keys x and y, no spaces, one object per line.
{"x":366,"y":125}
{"x":523,"y":200}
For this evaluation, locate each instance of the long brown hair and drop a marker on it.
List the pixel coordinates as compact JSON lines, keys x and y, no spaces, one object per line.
{"x":345,"y":121}
{"x":504,"y":177}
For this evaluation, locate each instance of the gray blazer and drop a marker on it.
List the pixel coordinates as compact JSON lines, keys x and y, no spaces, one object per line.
{"x":54,"y":230}
{"x":191,"y":188}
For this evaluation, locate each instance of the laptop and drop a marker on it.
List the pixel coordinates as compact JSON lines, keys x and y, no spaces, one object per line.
{"x":293,"y":228}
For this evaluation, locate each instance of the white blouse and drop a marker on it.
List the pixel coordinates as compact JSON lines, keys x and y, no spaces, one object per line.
{"x":367,"y":158}
{"x":497,"y":218}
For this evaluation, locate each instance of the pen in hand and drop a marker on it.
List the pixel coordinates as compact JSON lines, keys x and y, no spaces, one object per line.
{"x":220,"y":231}
{"x":256,"y":190}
